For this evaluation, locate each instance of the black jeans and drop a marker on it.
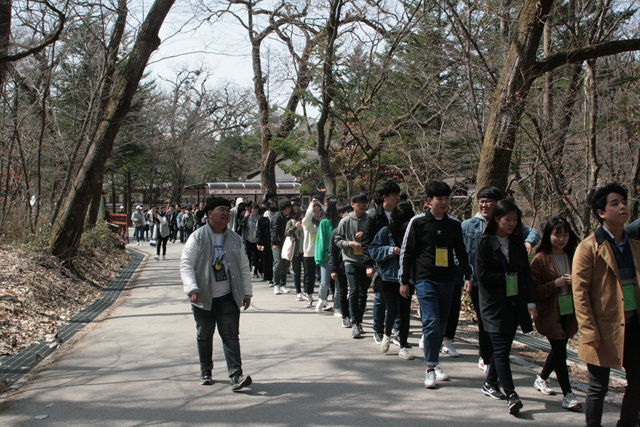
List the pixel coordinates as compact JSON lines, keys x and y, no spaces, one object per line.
{"x":397,"y":306}
{"x":296,"y":264}
{"x":358,"y":288}
{"x":454,"y":312}
{"x":162,"y":241}
{"x":500,"y":369}
{"x":267,"y":263}
{"x":599,"y":383}
{"x":224,"y":314}
{"x":251,"y":249}
{"x":309,"y":274}
{"x":557,"y":361}
{"x":486,"y":347}
{"x":344,"y":294}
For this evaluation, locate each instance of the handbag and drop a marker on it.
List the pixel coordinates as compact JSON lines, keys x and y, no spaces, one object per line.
{"x":288,"y":249}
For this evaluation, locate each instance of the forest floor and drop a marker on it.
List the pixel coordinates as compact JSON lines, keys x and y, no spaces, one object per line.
{"x":39,"y":293}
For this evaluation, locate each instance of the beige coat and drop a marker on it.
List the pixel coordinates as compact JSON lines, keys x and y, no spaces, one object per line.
{"x":598,"y":299}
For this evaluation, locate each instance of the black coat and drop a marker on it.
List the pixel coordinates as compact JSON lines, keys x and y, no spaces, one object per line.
{"x":278,"y":225}
{"x":375,"y":222}
{"x":502,"y":314}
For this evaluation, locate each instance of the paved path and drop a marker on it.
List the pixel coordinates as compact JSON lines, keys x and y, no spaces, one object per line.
{"x":139,"y":366}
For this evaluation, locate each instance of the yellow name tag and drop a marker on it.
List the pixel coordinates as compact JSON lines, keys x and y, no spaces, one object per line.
{"x":442,"y":257}
{"x":254,"y":235}
{"x":315,"y":235}
{"x":357,"y":251}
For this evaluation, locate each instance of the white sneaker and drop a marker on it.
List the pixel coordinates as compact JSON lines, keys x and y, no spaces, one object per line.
{"x":284,"y":290}
{"x":449,"y":349}
{"x":384,"y":345}
{"x":305,"y":296}
{"x":164,"y":257}
{"x":337,"y":313}
{"x":309,"y":301}
{"x":481,"y":365}
{"x":405,"y":354}
{"x":276,"y":290}
{"x":326,"y":307}
{"x":298,"y":297}
{"x":421,"y":343}
{"x":570,"y":402}
{"x":430,"y":379}
{"x":157,"y":258}
{"x":543,"y":386}
{"x":441,"y":375}
{"x":137,"y":243}
{"x":320,"y":305}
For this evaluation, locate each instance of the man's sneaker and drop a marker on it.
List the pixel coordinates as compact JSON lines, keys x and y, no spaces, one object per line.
{"x":384,"y":345}
{"x":137,"y":243}
{"x":377,"y":337}
{"x":205,"y":378}
{"x":240,"y":381}
{"x":360,"y":328}
{"x":337,"y":313}
{"x":513,"y":403}
{"x":421,"y":343}
{"x":271,"y":284}
{"x":405,"y":354}
{"x":305,"y":296}
{"x":164,"y":257}
{"x":319,"y":305}
{"x":284,"y":290}
{"x":346,"y":322}
{"x":326,"y":307}
{"x":430,"y":379}
{"x":449,"y":349}
{"x":543,"y":386}
{"x":157,"y":257}
{"x":441,"y":375}
{"x":309,"y":303}
{"x":276,"y":290}
{"x":570,"y":402}
{"x":355,"y":331}
{"x":493,"y":390}
{"x":298,"y":297}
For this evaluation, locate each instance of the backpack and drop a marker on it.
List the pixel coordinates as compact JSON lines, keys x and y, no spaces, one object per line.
{"x":189,"y":223}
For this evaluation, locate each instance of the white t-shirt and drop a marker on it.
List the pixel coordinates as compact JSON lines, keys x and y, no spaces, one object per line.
{"x":221,"y":288}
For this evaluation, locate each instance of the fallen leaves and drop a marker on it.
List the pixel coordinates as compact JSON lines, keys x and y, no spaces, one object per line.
{"x":38,"y":294}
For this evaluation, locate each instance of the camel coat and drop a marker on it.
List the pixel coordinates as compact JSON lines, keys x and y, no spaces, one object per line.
{"x":549,"y":322}
{"x":598,"y":299}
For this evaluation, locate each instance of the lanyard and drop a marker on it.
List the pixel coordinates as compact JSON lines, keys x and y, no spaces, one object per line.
{"x":219,"y":252}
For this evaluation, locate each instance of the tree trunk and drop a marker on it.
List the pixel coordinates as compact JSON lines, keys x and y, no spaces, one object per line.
{"x":593,"y":166}
{"x":510,"y":96}
{"x":96,"y":201}
{"x":5,"y":35}
{"x":328,"y":92}
{"x":67,"y":230}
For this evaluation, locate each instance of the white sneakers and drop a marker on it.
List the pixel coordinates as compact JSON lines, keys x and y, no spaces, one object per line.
{"x":157,"y":258}
{"x":284,"y":290}
{"x":570,"y":402}
{"x":405,"y":354}
{"x":276,"y":290}
{"x":384,"y":345}
{"x":436,"y":375}
{"x":448,"y":349}
{"x":543,"y":386}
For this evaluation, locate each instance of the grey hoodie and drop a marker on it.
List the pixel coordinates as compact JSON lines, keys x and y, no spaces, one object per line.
{"x":345,"y":233}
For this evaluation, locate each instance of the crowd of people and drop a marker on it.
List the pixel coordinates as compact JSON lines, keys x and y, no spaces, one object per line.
{"x":568,"y":286}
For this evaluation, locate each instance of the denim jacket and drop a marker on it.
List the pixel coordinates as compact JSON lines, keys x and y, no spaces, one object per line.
{"x":381,"y":250}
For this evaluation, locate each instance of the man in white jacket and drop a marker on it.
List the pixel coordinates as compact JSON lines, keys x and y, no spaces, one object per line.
{"x":217,"y":279}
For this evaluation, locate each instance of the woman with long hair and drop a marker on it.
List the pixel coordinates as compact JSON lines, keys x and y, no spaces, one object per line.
{"x":506,"y":295}
{"x":321,"y":253}
{"x":294,"y":231}
{"x":551,"y":271}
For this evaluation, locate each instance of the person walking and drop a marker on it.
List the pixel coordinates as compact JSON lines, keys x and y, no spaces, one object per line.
{"x":294,"y":231}
{"x":506,"y":296}
{"x":604,"y":280}
{"x":216,"y":278}
{"x":551,"y":271}
{"x":138,"y":221}
{"x":161,"y":233}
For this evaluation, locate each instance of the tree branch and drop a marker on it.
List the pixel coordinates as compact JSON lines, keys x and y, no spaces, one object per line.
{"x":584,"y":53}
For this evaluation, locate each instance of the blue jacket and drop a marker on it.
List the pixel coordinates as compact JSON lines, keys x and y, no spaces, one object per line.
{"x":381,"y":251}
{"x":472,"y":230}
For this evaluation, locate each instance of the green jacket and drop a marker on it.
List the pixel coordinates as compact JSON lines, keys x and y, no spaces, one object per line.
{"x":323,"y":242}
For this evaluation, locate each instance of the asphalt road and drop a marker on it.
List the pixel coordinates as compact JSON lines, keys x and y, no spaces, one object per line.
{"x":138,"y":366}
